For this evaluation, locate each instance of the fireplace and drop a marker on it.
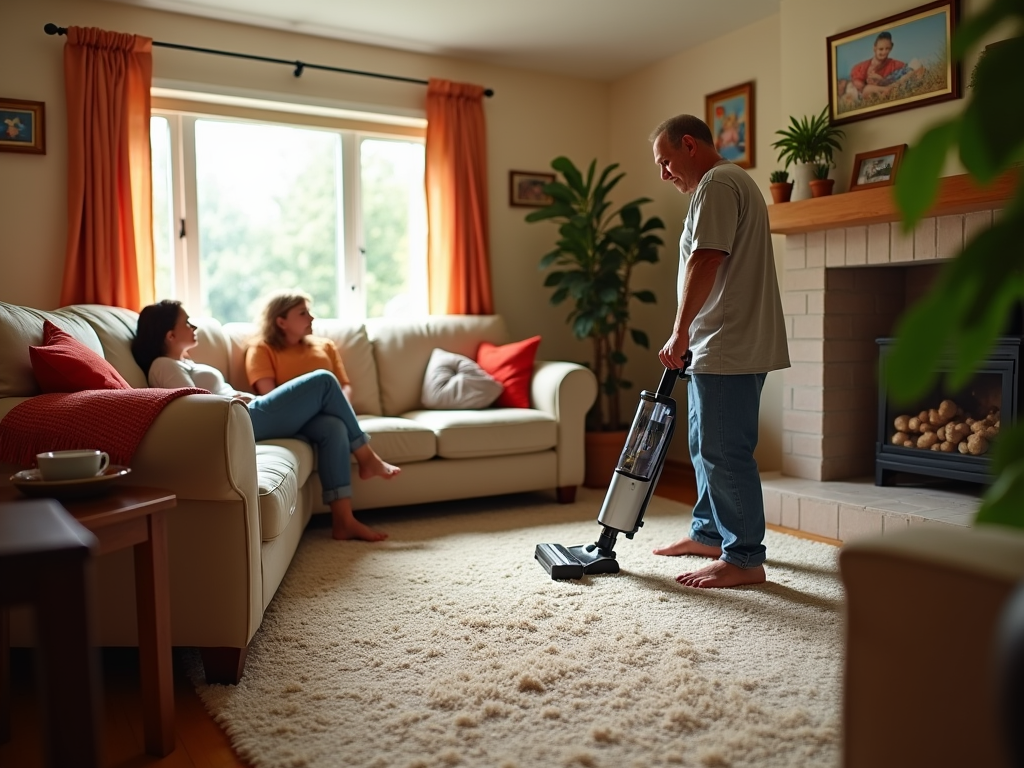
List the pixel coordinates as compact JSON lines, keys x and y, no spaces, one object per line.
{"x":948,"y":433}
{"x":850,"y":269}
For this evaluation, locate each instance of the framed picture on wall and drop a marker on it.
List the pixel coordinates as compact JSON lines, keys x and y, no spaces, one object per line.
{"x":876,"y":169}
{"x":22,"y":127}
{"x":730,"y":116}
{"x":526,"y":189}
{"x":896,"y":63}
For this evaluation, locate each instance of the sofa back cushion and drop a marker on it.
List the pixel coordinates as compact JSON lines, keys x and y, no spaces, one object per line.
{"x":351,"y":340}
{"x":108,"y":331}
{"x":402,"y":349}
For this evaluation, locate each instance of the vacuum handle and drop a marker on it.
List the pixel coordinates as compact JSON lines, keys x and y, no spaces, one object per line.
{"x":668,"y":378}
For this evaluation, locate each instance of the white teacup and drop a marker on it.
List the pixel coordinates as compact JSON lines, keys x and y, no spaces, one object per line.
{"x":71,"y":465}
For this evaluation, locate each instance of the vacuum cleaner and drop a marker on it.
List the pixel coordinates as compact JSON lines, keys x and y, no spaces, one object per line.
{"x":633,"y":482}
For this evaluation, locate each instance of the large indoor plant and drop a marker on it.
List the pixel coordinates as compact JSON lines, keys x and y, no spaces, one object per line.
{"x":592,"y":266}
{"x":966,"y":310}
{"x":807,"y":142}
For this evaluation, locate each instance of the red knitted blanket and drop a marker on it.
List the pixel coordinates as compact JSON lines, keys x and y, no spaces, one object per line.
{"x":111,"y":420}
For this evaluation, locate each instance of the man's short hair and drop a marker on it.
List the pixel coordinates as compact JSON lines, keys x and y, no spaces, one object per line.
{"x":683,"y":125}
{"x":884,"y":36}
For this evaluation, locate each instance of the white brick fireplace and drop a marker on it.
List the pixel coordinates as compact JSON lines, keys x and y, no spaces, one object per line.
{"x":849,"y":272}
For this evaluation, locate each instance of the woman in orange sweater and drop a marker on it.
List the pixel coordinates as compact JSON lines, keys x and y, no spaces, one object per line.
{"x":287,"y":350}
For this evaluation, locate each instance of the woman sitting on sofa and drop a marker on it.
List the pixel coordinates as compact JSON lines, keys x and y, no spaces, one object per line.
{"x":311,"y":406}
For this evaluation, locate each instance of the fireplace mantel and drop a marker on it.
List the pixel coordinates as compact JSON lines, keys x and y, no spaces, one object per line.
{"x":957,"y":194}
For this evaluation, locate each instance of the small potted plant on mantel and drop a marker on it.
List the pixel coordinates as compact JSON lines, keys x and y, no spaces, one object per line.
{"x":781,"y":187}
{"x":805,"y":143}
{"x":821,"y":184}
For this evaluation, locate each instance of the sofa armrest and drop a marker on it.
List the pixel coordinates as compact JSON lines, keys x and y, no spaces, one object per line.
{"x":200,"y":447}
{"x":566,"y":391}
{"x":923,"y":607}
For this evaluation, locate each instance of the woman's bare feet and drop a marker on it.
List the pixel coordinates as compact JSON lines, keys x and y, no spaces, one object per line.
{"x":372,"y":465}
{"x":687,"y":546}
{"x":722,"y":574}
{"x":344,"y":525}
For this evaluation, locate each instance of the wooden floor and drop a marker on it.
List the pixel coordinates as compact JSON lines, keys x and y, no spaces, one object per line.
{"x":201,"y":742}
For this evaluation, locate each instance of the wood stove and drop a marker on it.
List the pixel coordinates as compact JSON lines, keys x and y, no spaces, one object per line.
{"x":948,"y":433}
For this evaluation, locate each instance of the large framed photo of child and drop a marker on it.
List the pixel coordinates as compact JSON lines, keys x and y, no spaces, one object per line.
{"x":900,"y":62}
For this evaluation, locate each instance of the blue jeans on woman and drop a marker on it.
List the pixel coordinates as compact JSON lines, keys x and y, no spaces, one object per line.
{"x":313,"y":406}
{"x":729,"y":512}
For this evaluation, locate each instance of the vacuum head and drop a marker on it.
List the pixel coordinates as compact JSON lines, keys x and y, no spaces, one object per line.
{"x":574,"y":562}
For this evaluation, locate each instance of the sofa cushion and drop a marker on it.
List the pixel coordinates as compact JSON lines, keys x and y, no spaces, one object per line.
{"x":402,"y":348}
{"x":512,"y":365}
{"x":64,"y":364}
{"x":455,"y":381}
{"x":277,"y":475}
{"x":490,"y":432}
{"x":399,"y":441}
{"x":21,"y":328}
{"x":115,"y":328}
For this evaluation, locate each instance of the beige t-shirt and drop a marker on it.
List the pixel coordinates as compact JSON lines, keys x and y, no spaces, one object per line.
{"x":740,"y":329}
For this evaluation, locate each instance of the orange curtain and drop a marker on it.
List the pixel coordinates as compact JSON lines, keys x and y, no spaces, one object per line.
{"x":109,"y":260}
{"x":458,"y":261}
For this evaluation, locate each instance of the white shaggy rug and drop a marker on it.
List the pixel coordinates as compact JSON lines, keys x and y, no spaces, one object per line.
{"x":449,"y":645}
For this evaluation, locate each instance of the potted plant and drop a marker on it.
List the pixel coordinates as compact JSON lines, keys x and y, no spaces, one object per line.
{"x":821,"y":184}
{"x":781,"y":187}
{"x":805,"y":142}
{"x":592,"y":266}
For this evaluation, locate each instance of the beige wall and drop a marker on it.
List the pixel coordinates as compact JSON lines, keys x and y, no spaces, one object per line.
{"x":531,"y":119}
{"x":641,"y":101}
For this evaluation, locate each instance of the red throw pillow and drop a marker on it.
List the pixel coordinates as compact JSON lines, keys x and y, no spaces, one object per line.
{"x":512,"y":365}
{"x":64,"y":364}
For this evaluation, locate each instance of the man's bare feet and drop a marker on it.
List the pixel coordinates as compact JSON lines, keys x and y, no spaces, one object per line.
{"x":372,"y":465}
{"x":345,"y":530}
{"x":722,"y":574}
{"x":687,"y":546}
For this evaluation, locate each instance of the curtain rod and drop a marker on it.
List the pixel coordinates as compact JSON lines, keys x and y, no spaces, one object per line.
{"x":53,"y":29}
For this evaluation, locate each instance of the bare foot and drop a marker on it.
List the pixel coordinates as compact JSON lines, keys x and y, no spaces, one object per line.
{"x":687,"y":546}
{"x":372,"y":465}
{"x":722,"y":574}
{"x":352,"y":529}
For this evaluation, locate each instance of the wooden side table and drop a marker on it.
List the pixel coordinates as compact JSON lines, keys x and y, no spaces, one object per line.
{"x":132,"y":516}
{"x":45,"y":559}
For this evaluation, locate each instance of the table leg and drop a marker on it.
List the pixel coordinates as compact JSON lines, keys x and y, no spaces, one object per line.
{"x":5,"y":675}
{"x":154,"y":612}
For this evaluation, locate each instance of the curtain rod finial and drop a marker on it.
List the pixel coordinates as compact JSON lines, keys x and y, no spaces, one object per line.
{"x":489,"y":92}
{"x":53,"y":29}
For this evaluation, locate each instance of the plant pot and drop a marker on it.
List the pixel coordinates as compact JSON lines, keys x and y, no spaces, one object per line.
{"x":802,"y":175}
{"x":602,"y":454}
{"x":821,"y":187}
{"x":781,"y":191}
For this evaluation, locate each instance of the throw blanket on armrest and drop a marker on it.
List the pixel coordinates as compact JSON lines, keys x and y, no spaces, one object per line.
{"x":111,"y":420}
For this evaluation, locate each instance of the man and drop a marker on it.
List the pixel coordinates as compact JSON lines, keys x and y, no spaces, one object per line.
{"x":730,"y":318}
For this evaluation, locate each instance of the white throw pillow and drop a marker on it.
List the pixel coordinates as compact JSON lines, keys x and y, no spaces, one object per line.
{"x":454,"y":382}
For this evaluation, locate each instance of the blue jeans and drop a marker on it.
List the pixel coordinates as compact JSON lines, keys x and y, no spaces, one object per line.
{"x":314,"y":407}
{"x":729,"y":512}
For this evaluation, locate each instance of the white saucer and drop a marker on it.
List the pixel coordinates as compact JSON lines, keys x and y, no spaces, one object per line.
{"x":31,"y":483}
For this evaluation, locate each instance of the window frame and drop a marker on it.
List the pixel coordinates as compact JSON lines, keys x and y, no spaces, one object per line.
{"x":350,"y":290}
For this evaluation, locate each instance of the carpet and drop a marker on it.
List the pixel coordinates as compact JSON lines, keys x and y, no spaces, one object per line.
{"x":448,"y":645}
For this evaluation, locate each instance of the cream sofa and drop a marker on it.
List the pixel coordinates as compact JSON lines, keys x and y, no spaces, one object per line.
{"x":242,"y":507}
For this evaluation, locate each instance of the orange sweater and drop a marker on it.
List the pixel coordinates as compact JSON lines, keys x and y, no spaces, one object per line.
{"x":315,"y":353}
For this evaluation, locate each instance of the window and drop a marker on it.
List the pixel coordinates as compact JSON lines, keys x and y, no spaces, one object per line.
{"x":243,"y":207}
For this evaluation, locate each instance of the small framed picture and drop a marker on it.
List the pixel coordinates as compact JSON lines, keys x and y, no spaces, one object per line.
{"x":730,"y":116}
{"x":22,"y":126}
{"x":876,"y":169}
{"x":526,"y":189}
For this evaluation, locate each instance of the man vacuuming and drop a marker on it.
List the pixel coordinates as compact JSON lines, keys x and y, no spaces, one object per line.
{"x":730,"y":319}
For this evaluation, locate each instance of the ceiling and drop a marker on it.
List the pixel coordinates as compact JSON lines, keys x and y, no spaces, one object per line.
{"x":595,"y":39}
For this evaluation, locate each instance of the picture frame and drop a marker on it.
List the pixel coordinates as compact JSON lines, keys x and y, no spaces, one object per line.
{"x":730,"y":116}
{"x":864,"y":81}
{"x":877,"y":168}
{"x":22,"y":126}
{"x":526,"y":189}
